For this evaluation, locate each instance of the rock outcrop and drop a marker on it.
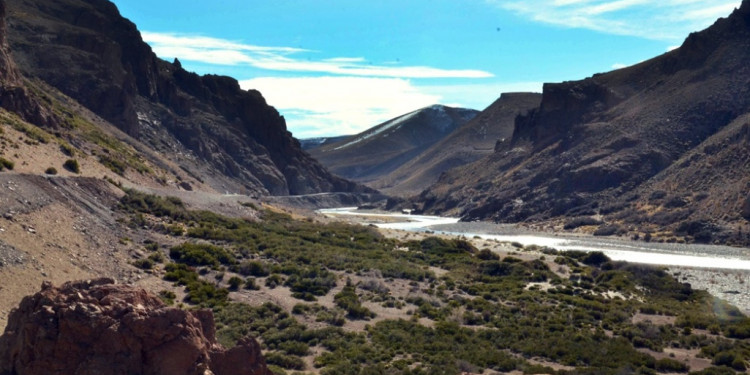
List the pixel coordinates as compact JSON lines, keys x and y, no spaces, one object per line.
{"x":14,"y":96}
{"x":98,"y":327}
{"x":107,"y":67}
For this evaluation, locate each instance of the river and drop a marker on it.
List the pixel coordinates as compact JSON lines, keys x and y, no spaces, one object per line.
{"x":681,"y":255}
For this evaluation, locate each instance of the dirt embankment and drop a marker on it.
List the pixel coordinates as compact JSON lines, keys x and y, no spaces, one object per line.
{"x":55,"y":229}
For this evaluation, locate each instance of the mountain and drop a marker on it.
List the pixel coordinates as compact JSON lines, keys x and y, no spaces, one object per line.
{"x":659,"y":149}
{"x":376,"y":152}
{"x":206,"y":126}
{"x":469,"y":142}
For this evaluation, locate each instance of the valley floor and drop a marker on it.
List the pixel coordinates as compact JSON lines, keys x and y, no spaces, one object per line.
{"x":339,"y":288}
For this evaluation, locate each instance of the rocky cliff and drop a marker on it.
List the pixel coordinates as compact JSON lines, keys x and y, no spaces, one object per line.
{"x":98,"y":327}
{"x":85,"y":49}
{"x":605,"y":144}
{"x":13,"y":95}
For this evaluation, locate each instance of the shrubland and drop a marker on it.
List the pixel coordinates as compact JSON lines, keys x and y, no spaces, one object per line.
{"x":483,"y":311}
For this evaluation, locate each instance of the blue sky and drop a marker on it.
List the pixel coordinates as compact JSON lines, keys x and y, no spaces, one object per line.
{"x":336,"y":67}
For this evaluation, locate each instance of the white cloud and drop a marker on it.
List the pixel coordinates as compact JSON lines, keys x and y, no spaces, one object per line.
{"x":224,"y":52}
{"x":619,"y":66}
{"x":668,"y":20}
{"x":335,"y":105}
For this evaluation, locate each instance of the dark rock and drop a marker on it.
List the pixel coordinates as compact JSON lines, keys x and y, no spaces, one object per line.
{"x":746,"y":208}
{"x":14,"y":96}
{"x":97,"y":327}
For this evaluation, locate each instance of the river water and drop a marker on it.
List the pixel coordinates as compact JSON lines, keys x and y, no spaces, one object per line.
{"x":681,"y":255}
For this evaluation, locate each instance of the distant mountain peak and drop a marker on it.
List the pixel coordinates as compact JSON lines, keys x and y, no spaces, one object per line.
{"x":386,"y":146}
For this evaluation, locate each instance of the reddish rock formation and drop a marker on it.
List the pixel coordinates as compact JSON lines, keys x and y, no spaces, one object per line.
{"x":97,"y":327}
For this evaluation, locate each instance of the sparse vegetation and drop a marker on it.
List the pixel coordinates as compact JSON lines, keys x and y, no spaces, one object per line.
{"x":574,"y":322}
{"x":51,"y":171}
{"x":6,"y":164}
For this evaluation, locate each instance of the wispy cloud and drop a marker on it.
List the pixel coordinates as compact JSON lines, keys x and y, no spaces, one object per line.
{"x":668,"y":20}
{"x":333,"y":105}
{"x":224,"y":52}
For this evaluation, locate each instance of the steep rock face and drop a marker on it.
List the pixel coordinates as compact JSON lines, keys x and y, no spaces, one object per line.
{"x":13,"y":95}
{"x":599,"y":145}
{"x":97,"y":327}
{"x":110,"y":70}
{"x":372,"y":154}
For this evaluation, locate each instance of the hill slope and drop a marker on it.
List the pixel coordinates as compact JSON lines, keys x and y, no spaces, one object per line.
{"x":471,"y":141}
{"x":207,"y":125}
{"x":616,"y":144}
{"x":372,"y":154}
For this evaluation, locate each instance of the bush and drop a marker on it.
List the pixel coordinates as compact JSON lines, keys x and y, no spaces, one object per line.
{"x":72,"y":165}
{"x":487,"y":254}
{"x":251,"y":268}
{"x":234,"y":283}
{"x":250,"y":284}
{"x":115,"y":165}
{"x":5,"y":163}
{"x":167,"y":296}
{"x":670,"y":365}
{"x":67,"y":149}
{"x":595,"y":258}
{"x":157,"y":257}
{"x":201,"y":255}
{"x":145,"y":264}
{"x":51,"y":170}
{"x":285,"y":361}
{"x":348,"y":300}
{"x":311,"y":281}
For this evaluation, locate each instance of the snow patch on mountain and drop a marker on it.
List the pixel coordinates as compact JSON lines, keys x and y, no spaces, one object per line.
{"x":377,"y":130}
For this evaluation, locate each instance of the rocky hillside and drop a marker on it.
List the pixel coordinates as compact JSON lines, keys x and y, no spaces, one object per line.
{"x":469,"y":142}
{"x":657,"y":149}
{"x":98,"y":327}
{"x":376,"y":152}
{"x":205,"y":126}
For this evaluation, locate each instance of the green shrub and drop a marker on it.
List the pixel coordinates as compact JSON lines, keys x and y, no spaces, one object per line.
{"x":72,"y":165}
{"x":234,"y":282}
{"x":115,"y":165}
{"x":670,"y":365}
{"x":250,"y":284}
{"x":51,"y":170}
{"x":167,"y":296}
{"x":251,"y":268}
{"x":5,"y":163}
{"x":157,"y":257}
{"x":310,"y":281}
{"x":201,"y":255}
{"x":145,"y":264}
{"x":285,"y":361}
{"x":67,"y":149}
{"x":348,"y":300}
